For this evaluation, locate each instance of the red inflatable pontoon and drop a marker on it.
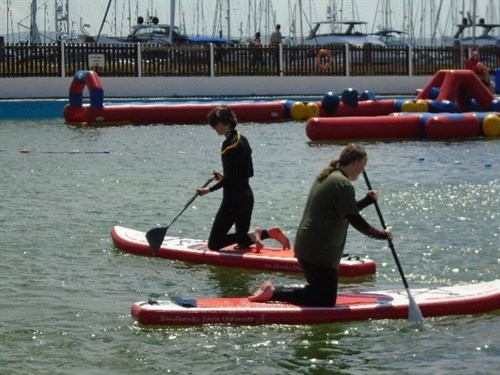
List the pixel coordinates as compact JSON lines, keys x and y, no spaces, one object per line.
{"x":379,"y":127}
{"x":99,"y":113}
{"x":188,"y":113}
{"x":394,"y":126}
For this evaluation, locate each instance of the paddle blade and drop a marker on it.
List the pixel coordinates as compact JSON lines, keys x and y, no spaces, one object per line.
{"x":155,"y":238}
{"x":414,"y":313}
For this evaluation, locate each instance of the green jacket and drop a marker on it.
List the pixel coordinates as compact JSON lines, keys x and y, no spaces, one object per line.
{"x":322,"y":231}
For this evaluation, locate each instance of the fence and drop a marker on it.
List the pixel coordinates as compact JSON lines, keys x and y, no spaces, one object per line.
{"x":136,"y":60}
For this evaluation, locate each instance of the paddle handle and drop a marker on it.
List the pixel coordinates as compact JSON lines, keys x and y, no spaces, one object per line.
{"x":391,"y":245}
{"x":196,"y":194}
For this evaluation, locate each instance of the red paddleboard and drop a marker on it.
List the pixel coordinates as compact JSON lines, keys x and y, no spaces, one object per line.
{"x":196,"y":251}
{"x":436,"y":301}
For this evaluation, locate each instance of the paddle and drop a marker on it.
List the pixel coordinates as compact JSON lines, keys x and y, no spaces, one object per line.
{"x":156,"y":236}
{"x":414,"y":313}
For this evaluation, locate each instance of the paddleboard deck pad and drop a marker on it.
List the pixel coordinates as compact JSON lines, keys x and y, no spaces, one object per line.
{"x":436,"y":301}
{"x":196,"y":251}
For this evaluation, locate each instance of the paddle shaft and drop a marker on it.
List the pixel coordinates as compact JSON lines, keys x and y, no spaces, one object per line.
{"x":391,"y":245}
{"x":414,"y":313}
{"x":190,"y":201}
{"x":156,"y":236}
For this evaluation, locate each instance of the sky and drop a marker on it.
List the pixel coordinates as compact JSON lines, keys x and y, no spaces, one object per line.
{"x":210,"y":17}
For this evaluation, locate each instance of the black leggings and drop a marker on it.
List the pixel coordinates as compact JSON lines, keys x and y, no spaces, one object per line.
{"x":234,"y":209}
{"x":320,"y":290}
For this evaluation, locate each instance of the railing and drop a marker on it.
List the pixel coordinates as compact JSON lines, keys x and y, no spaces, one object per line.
{"x":63,"y":60}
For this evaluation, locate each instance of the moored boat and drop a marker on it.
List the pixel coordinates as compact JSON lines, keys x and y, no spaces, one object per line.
{"x":324,"y":33}
{"x":484,"y":39}
{"x":153,"y":32}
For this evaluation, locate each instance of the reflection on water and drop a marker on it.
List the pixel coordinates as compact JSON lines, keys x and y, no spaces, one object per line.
{"x":66,"y":292}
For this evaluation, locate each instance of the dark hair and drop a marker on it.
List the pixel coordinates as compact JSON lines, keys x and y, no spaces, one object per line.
{"x":222,"y":114}
{"x":278,"y":26}
{"x":351,"y":152}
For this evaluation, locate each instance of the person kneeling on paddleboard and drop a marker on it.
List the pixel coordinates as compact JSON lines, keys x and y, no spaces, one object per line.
{"x":322,"y":232}
{"x":237,"y":195}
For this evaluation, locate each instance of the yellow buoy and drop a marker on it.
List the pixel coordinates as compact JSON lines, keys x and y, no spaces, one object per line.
{"x":421,"y":106}
{"x":298,"y":111}
{"x":408,"y":106}
{"x":491,"y":125}
{"x":312,"y":110}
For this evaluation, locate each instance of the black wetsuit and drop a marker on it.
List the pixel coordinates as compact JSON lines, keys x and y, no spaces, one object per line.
{"x":237,"y":196}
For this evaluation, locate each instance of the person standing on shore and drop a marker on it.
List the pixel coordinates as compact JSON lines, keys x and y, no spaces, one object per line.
{"x":322,"y":232}
{"x":237,"y":195}
{"x":256,"y":45}
{"x":275,"y":39}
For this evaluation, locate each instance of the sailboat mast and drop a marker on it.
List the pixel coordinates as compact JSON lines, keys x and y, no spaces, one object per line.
{"x":172,"y":21}
{"x":34,"y":34}
{"x":301,"y":23}
{"x":474,"y":3}
{"x":8,"y":19}
{"x":228,"y":20}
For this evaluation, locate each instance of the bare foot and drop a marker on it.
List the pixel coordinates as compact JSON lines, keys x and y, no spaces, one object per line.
{"x":277,"y":234}
{"x":259,"y":245}
{"x":264,"y":294}
{"x":255,"y":237}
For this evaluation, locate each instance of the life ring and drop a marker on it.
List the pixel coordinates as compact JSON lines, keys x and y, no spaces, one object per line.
{"x":319,"y":59}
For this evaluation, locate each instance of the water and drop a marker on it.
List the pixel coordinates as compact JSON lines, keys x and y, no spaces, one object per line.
{"x":66,"y":292}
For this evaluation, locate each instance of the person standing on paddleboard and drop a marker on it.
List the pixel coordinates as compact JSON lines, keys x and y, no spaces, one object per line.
{"x":322,"y":232}
{"x":237,"y":195}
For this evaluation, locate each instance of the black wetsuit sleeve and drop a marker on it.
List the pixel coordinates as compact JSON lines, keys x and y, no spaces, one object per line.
{"x":365,"y":202}
{"x":362,"y":226}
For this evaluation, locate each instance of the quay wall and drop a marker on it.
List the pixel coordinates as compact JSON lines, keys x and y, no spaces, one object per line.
{"x":133,"y":87}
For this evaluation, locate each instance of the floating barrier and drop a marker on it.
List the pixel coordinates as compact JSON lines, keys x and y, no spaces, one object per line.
{"x":188,"y":113}
{"x":350,"y":115}
{"x":404,"y":126}
{"x":451,"y":125}
{"x":454,"y":104}
{"x":99,"y":113}
{"x":342,"y":128}
{"x":449,"y":91}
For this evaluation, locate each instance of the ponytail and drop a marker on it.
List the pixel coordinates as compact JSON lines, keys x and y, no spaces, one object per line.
{"x":333,"y":166}
{"x":349,"y":154}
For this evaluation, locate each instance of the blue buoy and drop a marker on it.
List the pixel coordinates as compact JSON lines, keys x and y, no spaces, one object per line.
{"x":367,"y":95}
{"x":350,"y":97}
{"x":330,"y":102}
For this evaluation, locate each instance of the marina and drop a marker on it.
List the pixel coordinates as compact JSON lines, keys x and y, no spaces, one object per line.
{"x":203,"y":67}
{"x":413,"y":22}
